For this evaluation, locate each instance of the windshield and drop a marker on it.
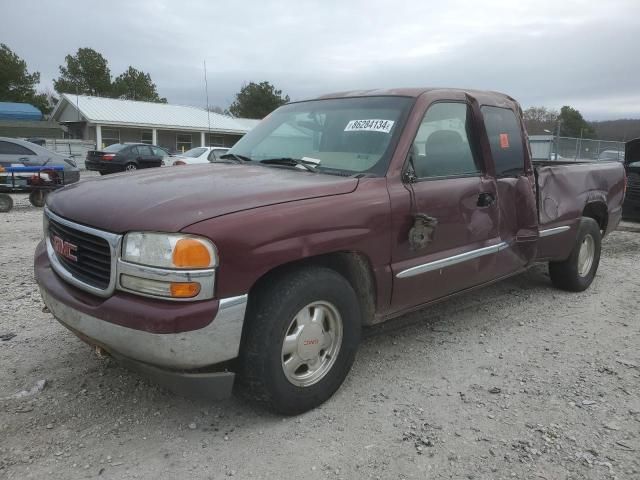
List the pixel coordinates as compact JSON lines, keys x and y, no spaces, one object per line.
{"x":116,"y":147}
{"x":194,"y":152}
{"x":343,"y":136}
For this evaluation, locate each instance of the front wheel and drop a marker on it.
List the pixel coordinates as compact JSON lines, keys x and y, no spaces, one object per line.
{"x":6,"y":203}
{"x":37,"y":198}
{"x":301,"y":339}
{"x":576,"y":273}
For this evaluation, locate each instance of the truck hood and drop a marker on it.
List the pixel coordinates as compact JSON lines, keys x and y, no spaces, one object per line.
{"x":170,"y":199}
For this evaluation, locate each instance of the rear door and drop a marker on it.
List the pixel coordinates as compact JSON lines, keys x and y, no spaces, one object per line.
{"x":161,"y":154}
{"x":145,"y":156}
{"x":452,"y":204}
{"x":516,"y":188}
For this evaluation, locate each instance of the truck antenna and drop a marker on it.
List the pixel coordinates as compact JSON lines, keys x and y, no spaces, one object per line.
{"x":206,"y":89}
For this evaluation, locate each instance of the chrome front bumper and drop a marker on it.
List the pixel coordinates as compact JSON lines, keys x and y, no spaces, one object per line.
{"x":217,"y":342}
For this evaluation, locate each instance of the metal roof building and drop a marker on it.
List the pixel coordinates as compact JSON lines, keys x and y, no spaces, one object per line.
{"x":177,"y":127}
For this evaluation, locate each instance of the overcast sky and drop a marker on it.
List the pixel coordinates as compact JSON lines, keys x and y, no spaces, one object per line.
{"x":545,"y":52}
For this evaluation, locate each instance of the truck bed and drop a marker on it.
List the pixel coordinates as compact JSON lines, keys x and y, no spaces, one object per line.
{"x":566,"y":189}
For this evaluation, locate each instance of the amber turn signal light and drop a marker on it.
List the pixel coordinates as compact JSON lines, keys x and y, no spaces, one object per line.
{"x":191,"y":253}
{"x":184,"y":290}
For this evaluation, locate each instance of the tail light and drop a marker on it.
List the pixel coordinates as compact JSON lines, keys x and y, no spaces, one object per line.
{"x":179,"y":162}
{"x":108,"y":156}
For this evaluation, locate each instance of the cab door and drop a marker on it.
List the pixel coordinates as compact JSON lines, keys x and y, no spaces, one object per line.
{"x":516,"y":188}
{"x":447,"y":197}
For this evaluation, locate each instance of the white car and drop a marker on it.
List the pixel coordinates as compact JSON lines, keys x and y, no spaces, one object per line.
{"x":199,"y":155}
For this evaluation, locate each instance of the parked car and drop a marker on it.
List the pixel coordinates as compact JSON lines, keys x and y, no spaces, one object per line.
{"x":121,"y":157}
{"x":616,"y":155}
{"x":330,"y":215}
{"x":14,"y":152}
{"x":200,"y":155}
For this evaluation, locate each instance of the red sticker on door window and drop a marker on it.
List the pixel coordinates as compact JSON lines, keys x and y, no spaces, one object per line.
{"x":504,"y":140}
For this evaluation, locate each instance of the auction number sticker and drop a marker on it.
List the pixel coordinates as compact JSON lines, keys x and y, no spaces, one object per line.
{"x":372,"y":125}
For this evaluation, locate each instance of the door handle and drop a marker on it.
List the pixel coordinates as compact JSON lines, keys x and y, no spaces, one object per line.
{"x":486,"y":199}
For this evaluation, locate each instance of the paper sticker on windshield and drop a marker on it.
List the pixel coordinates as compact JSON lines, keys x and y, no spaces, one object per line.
{"x":504,"y":140}
{"x":372,"y":125}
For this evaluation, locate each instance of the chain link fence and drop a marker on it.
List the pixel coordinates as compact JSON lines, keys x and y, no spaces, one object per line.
{"x":585,"y":149}
{"x":76,"y":149}
{"x":547,"y":147}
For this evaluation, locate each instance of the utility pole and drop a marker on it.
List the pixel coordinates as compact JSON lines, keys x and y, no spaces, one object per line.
{"x":558,"y":139}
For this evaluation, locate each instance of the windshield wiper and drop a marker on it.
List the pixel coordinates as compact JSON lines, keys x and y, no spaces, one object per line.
{"x":291,"y":162}
{"x":236,"y":157}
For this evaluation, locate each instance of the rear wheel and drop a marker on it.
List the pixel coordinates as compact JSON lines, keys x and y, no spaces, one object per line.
{"x":130,"y":167}
{"x":6,"y":203}
{"x":38,"y":198}
{"x":301,"y":339}
{"x":576,"y":273}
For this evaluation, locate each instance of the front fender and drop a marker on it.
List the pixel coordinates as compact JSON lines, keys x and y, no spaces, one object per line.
{"x":253,"y":242}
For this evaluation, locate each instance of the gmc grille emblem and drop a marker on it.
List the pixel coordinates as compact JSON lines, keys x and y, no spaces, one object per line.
{"x":64,"y":248}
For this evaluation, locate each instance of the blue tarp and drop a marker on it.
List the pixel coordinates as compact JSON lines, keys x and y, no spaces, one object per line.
{"x":19,"y":111}
{"x":33,"y":169}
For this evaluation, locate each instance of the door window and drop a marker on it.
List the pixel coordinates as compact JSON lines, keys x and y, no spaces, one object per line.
{"x":9,"y":148}
{"x":216,"y":154}
{"x":443,"y":145}
{"x":143,"y":150}
{"x":158,"y":152}
{"x":505,"y":138}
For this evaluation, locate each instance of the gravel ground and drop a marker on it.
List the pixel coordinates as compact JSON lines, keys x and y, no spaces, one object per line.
{"x":516,"y":380}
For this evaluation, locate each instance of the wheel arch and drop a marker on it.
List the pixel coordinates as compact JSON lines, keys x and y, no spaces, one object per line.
{"x":598,"y":211}
{"x":354,"y":266}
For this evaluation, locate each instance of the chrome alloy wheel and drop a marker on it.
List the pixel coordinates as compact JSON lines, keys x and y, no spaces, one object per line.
{"x":586,"y":255}
{"x":312,"y":343}
{"x":130,"y":167}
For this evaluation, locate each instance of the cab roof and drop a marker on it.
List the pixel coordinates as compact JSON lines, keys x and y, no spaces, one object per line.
{"x":483,"y":96}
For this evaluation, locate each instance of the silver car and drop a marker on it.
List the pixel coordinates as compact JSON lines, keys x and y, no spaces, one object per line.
{"x":14,"y":152}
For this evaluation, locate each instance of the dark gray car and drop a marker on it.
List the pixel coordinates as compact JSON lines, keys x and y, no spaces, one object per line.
{"x":20,"y":152}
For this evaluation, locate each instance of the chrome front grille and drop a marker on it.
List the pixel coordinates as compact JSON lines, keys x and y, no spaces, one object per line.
{"x":92,"y":262}
{"x":83,"y":256}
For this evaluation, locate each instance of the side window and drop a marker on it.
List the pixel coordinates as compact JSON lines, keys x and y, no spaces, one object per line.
{"x":443,"y":144}
{"x":8,"y":148}
{"x":211,"y":157}
{"x":505,"y":138}
{"x":158,"y":152}
{"x":143,"y":150}
{"x":218,"y":153}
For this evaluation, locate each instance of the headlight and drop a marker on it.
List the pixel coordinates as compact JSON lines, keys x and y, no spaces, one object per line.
{"x":167,"y":265}
{"x":169,"y":250}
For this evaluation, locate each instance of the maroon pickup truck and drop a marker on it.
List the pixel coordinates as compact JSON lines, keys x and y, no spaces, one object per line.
{"x":332,"y":214}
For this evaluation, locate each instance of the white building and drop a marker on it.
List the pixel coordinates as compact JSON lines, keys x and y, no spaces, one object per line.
{"x":176,"y":127}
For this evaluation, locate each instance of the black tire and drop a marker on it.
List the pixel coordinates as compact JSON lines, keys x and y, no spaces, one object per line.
{"x":566,"y":275}
{"x":6,"y":203}
{"x":130,"y":167}
{"x":38,"y":198}
{"x":269,"y":318}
